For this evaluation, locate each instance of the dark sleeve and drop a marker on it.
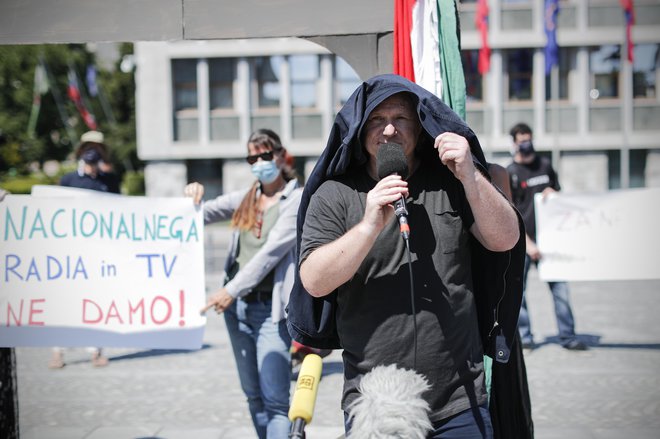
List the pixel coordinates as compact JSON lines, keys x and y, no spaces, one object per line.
{"x":554,"y":179}
{"x":65,"y":180}
{"x":112,"y":182}
{"x":514,"y":181}
{"x":459,"y":200}
{"x":325,"y":220}
{"x":466,"y":211}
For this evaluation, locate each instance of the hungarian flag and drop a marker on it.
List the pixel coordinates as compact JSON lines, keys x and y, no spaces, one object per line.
{"x":481,"y":22}
{"x":629,"y":12}
{"x":41,"y":87}
{"x":551,"y":46}
{"x":73,"y":91}
{"x":427,"y":48}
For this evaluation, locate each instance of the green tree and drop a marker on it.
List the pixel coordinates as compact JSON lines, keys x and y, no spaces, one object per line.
{"x":59,"y":123}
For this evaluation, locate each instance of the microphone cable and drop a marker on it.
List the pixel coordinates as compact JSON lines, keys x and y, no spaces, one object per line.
{"x":412,"y":300}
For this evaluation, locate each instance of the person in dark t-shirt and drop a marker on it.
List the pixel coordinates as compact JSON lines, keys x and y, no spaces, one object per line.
{"x":351,"y":244}
{"x":94,"y":171}
{"x":533,"y":174}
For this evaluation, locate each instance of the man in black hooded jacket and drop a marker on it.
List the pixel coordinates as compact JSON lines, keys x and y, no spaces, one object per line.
{"x":353,"y":262}
{"x":353,"y":258}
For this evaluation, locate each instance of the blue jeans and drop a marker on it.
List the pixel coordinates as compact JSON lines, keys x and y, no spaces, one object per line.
{"x":261,"y":349}
{"x":473,"y":423}
{"x":563,"y":313}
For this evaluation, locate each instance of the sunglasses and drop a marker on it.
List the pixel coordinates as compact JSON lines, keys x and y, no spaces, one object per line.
{"x":267,"y":156}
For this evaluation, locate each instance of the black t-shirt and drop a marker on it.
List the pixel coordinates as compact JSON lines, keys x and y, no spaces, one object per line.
{"x":374,"y":318}
{"x":104,"y":182}
{"x":527,"y":180}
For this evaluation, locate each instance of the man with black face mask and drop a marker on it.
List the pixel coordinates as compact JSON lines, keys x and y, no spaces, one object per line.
{"x":532,"y":174}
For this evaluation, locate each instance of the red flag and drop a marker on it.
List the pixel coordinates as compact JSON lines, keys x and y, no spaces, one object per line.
{"x":629,"y":12}
{"x":403,"y":61}
{"x":73,"y":91}
{"x":481,"y":21}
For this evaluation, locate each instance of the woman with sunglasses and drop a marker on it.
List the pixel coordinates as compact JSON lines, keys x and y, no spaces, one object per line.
{"x":259,"y":277}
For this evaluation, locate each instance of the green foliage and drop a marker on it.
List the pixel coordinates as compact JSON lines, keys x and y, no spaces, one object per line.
{"x":59,"y":124}
{"x":23,"y":184}
{"x":133,"y":183}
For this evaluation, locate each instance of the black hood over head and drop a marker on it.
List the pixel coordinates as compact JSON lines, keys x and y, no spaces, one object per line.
{"x":344,"y":149}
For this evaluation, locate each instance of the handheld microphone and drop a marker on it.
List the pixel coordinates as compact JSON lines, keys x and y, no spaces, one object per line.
{"x":390,"y":405}
{"x":304,"y":397}
{"x":390,"y":159}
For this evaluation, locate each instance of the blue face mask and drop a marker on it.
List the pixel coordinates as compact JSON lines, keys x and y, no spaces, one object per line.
{"x":266,"y":171}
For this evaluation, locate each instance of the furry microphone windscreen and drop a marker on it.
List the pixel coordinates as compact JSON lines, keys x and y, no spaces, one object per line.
{"x":390,"y":159}
{"x":390,"y":405}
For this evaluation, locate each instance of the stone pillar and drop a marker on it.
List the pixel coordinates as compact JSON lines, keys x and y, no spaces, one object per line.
{"x":165,"y":178}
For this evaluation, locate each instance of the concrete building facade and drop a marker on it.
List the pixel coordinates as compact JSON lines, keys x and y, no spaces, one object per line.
{"x":596,"y":115}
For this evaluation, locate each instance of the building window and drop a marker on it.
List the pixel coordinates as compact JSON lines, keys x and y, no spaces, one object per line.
{"x":519,"y":66}
{"x":645,"y":71}
{"x":473,"y":80}
{"x":306,"y":119}
{"x":222,"y":74}
{"x":184,"y":78}
{"x":267,"y":92}
{"x":638,"y":167}
{"x":267,"y":75}
{"x":304,"y":74}
{"x":516,"y":15}
{"x":346,"y":81}
{"x":567,"y":60}
{"x":224,"y":124}
{"x":604,"y":65}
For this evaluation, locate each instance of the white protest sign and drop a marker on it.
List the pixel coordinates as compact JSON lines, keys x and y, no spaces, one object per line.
{"x":101,"y":271}
{"x":608,"y":236}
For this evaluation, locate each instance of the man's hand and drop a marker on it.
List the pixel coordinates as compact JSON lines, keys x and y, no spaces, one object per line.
{"x":532,"y":249}
{"x":336,"y":262}
{"x":195,"y":191}
{"x":547,"y":192}
{"x":220,"y":301}
{"x":454,"y":152}
{"x":379,"y":211}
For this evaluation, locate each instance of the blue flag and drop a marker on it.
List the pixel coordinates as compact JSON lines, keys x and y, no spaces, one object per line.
{"x":550,"y":25}
{"x":90,"y":76}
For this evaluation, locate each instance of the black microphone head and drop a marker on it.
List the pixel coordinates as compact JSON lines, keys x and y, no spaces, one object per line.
{"x":390,"y":159}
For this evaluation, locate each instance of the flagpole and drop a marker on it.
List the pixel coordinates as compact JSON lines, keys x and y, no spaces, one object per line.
{"x":36,"y":100}
{"x":107,"y":110}
{"x":60,"y":106}
{"x":554,"y":93}
{"x":83,"y":94}
{"x":626,"y":71}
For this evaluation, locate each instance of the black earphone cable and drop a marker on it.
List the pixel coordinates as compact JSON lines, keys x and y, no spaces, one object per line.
{"x":412,"y":303}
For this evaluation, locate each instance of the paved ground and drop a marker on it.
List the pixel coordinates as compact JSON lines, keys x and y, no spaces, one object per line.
{"x":610,"y":391}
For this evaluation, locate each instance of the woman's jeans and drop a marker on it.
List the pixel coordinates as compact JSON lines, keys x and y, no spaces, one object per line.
{"x":261,"y":349}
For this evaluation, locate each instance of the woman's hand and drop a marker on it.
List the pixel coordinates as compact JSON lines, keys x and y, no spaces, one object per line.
{"x":195,"y":191}
{"x":220,"y":301}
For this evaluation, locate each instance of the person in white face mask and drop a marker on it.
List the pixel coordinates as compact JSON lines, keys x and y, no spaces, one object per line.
{"x":259,"y":277}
